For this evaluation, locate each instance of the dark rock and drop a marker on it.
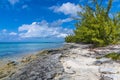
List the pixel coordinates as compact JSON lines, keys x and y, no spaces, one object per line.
{"x":12,"y":63}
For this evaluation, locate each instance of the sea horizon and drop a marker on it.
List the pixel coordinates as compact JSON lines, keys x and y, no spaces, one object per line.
{"x":16,"y":50}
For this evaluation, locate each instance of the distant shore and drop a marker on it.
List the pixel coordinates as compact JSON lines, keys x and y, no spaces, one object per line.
{"x":71,"y":62}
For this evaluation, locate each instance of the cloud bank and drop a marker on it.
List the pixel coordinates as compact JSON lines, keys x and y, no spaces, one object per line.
{"x":44,"y":29}
{"x":38,"y":30}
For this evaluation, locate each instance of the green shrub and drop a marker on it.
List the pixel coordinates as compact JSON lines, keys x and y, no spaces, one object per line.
{"x":96,"y":26}
{"x":70,"y":38}
{"x":114,"y":56}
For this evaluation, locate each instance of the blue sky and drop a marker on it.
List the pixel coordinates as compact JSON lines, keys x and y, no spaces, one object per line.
{"x":39,"y":20}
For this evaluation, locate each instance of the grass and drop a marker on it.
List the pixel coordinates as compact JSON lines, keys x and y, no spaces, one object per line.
{"x":98,"y":57}
{"x":114,"y":56}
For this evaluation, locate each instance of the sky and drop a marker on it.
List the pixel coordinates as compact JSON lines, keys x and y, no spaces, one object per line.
{"x":40,"y":20}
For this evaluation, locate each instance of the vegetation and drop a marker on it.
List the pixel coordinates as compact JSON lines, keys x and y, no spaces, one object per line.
{"x":94,"y":25}
{"x":114,"y":56}
{"x":70,"y":38}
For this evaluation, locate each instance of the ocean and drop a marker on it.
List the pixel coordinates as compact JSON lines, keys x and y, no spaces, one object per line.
{"x":15,"y":50}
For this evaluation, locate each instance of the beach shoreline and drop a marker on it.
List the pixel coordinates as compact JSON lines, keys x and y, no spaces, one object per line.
{"x":17,"y":57}
{"x":70,"y":62}
{"x":15,"y":63}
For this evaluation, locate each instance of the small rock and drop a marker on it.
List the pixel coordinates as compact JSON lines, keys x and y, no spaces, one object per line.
{"x":110,"y":77}
{"x":12,"y":63}
{"x":98,"y":63}
{"x":110,"y":68}
{"x":105,"y":78}
{"x":104,"y":60}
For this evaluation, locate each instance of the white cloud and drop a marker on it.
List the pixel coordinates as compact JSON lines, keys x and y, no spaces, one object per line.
{"x":24,"y":6}
{"x":66,"y":20}
{"x":67,"y":8}
{"x":38,"y":30}
{"x":6,"y":35}
{"x":60,"y":21}
{"x":4,"y":30}
{"x":44,"y":29}
{"x":12,"y":33}
{"x":13,"y":2}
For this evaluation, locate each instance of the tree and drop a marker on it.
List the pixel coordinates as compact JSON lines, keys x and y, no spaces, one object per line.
{"x":96,"y":26}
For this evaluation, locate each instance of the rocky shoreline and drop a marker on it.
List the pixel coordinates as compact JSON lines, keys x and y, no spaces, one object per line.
{"x":71,"y":62}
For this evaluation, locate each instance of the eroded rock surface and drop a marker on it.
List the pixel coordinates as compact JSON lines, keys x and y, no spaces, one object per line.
{"x":73,"y":62}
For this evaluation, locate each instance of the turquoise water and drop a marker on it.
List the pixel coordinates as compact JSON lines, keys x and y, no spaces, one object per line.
{"x":17,"y":49}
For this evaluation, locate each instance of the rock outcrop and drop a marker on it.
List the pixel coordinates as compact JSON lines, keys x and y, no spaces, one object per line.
{"x":73,"y":62}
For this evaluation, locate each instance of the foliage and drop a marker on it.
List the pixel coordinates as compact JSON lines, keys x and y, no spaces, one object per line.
{"x":114,"y":56}
{"x":96,"y":26}
{"x":70,"y":38}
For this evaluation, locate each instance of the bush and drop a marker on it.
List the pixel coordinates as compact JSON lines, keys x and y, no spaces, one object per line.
{"x":70,"y":38}
{"x":96,"y":26}
{"x":114,"y":56}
